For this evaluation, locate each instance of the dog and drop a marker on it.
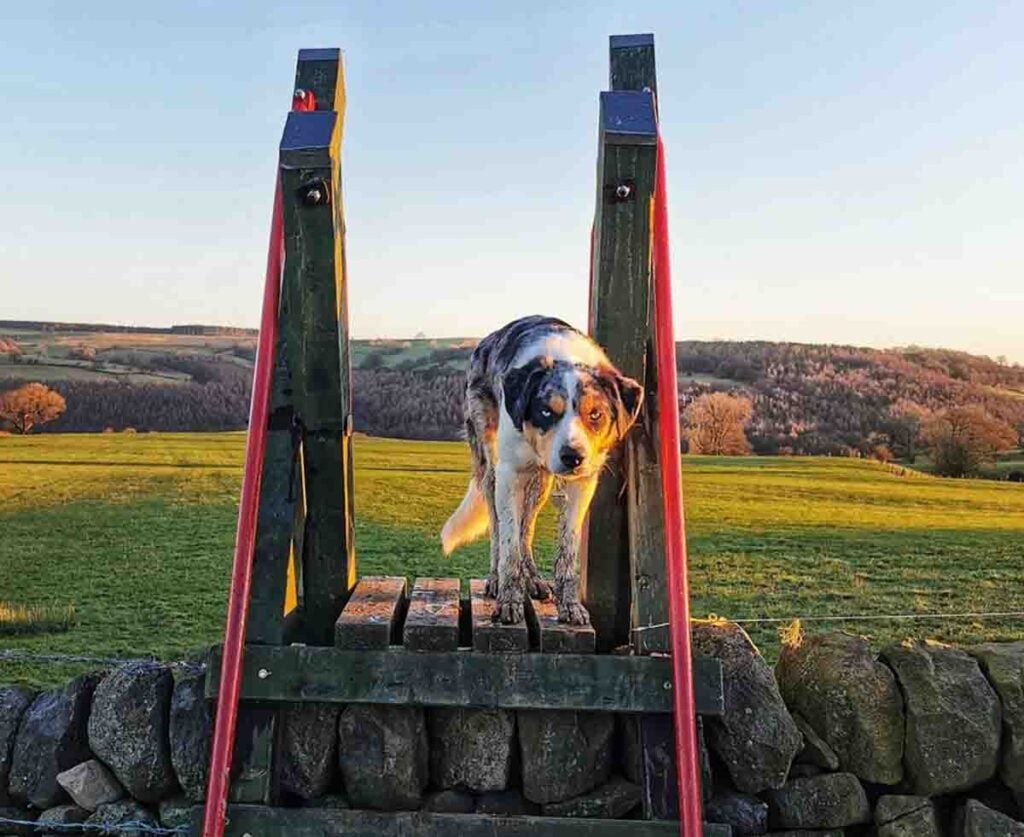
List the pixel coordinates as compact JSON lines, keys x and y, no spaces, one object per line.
{"x":543,"y":405}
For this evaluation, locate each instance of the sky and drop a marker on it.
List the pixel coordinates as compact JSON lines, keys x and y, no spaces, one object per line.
{"x":838,"y":172}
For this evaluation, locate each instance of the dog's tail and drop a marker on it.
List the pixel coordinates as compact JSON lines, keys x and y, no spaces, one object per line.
{"x":468,"y":522}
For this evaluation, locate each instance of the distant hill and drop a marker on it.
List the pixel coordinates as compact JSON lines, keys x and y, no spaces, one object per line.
{"x":819,"y":399}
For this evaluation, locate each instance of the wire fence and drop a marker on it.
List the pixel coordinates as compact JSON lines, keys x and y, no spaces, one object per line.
{"x":126,"y":827}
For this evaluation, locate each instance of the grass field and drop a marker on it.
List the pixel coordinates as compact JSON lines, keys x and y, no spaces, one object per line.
{"x":134,"y":532}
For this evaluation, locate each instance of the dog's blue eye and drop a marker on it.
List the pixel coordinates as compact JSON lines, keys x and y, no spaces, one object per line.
{"x":545,"y":412}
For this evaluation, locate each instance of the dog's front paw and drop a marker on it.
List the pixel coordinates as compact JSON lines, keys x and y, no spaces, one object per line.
{"x":573,"y":612}
{"x":539,"y":588}
{"x":491,"y":586}
{"x":509,"y":612}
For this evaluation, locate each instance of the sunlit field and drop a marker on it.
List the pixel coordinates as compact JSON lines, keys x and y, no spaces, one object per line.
{"x":132,"y":534}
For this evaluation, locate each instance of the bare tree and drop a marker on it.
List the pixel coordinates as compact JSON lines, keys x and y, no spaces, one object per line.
{"x":715,"y":422}
{"x":962,"y":439}
{"x":30,"y":405}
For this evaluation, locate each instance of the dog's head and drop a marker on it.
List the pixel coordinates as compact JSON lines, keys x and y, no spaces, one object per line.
{"x":571,"y":415}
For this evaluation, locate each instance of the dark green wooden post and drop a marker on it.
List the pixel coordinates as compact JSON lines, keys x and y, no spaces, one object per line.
{"x":620,"y":304}
{"x":625,"y":565}
{"x":316,"y":335}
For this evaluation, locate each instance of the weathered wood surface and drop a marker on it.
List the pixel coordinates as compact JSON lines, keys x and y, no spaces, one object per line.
{"x":252,"y":774}
{"x":278,"y":511}
{"x":631,"y":62}
{"x":620,"y":311}
{"x":324,"y":822}
{"x":489,"y":635}
{"x":320,"y":70}
{"x":432,"y":621}
{"x":550,"y":636}
{"x":599,"y":682}
{"x":315,"y":291}
{"x":372,"y":615}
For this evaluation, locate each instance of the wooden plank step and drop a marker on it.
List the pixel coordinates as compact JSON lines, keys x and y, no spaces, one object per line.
{"x":432,"y":623}
{"x":335,"y":822}
{"x":554,"y":637}
{"x":599,"y":682}
{"x":489,"y":635}
{"x":372,"y":615}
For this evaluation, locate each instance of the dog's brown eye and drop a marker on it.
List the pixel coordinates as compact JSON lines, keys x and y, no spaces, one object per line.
{"x":596,"y":416}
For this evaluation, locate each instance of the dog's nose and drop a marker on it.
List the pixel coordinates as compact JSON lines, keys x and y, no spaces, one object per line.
{"x":571,"y":458}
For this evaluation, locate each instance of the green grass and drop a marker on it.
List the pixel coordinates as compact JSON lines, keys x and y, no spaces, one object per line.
{"x":135,"y":532}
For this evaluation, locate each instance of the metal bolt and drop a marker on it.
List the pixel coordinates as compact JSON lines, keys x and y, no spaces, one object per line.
{"x":314,"y":194}
{"x":623,"y":191}
{"x":263,"y":673}
{"x":300,"y":94}
{"x":667,"y":685}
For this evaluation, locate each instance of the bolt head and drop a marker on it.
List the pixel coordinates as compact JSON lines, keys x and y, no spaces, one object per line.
{"x":622,"y":191}
{"x":263,"y":674}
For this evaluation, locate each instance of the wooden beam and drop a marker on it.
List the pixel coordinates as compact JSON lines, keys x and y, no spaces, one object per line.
{"x":432,"y":623}
{"x":334,"y":822}
{"x":320,"y":70}
{"x":598,"y":682}
{"x":620,"y":312}
{"x":315,"y":288}
{"x":372,"y":615}
{"x":252,"y":775}
{"x":553,"y":637}
{"x":489,"y":635}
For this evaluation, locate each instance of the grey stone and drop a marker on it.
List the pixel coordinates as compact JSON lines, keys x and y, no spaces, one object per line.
{"x":1003,"y":663}
{"x":906,"y":816}
{"x":175,"y":812}
{"x":953,"y":717}
{"x":975,"y":820}
{"x":124,"y":813}
{"x":505,"y":803}
{"x":128,"y":729}
{"x":612,"y":800}
{"x":14,"y":700}
{"x":449,"y":802}
{"x":746,"y":814}
{"x":190,"y":730}
{"x":51,"y":738}
{"x":833,"y":800}
{"x":90,"y":785}
{"x":850,"y":699}
{"x":815,"y":750}
{"x":383,"y":754}
{"x":471,"y":748}
{"x":564,"y":753}
{"x":13,"y":813}
{"x":802,"y":770}
{"x":308,"y":752}
{"x":51,"y":820}
{"x":756,"y":738}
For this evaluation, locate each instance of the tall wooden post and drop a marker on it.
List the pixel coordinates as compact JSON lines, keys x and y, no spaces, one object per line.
{"x":621,"y":301}
{"x":316,"y":336}
{"x":624,"y":569}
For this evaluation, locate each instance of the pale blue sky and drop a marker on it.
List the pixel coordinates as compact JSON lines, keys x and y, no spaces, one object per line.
{"x":843,"y":172}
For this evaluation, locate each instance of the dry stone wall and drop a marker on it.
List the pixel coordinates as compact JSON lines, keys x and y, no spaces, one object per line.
{"x":921,"y":739}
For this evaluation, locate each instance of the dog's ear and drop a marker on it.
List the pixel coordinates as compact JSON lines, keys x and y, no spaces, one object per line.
{"x":520,"y":385}
{"x":630,"y":397}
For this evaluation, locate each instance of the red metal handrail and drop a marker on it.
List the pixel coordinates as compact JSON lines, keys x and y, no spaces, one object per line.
{"x":245,"y":537}
{"x":687,"y":761}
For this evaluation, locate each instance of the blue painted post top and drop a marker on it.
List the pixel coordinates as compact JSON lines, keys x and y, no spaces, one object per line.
{"x":625,"y":41}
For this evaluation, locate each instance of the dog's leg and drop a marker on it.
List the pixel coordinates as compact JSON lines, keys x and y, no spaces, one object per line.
{"x":578,"y":494}
{"x":517,"y":509}
{"x":491,"y":586}
{"x":536,"y":494}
